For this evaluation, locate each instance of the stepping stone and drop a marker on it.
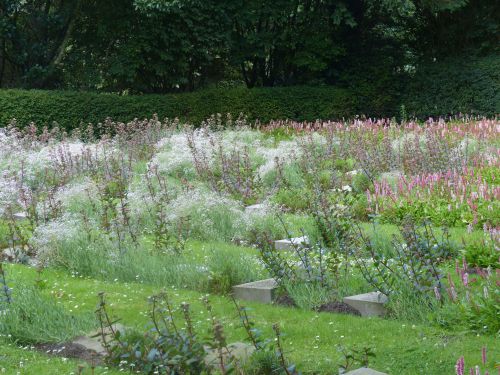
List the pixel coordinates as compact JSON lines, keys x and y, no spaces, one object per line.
{"x":238,"y":350}
{"x":90,"y":342}
{"x":288,"y":244}
{"x":368,"y":304}
{"x":254,"y":208}
{"x":365,"y":371}
{"x":19,"y":216}
{"x":258,"y":291}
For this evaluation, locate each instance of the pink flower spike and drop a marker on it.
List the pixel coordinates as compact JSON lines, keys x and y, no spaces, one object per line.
{"x":483,"y":355}
{"x":459,"y":366}
{"x":465,"y":279}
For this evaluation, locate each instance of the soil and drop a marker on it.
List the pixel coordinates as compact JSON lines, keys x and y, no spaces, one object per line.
{"x":285,"y":300}
{"x":71,"y":350}
{"x":338,"y":307}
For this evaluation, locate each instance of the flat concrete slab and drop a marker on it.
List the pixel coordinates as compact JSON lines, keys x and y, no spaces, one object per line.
{"x":365,"y":371}
{"x":288,"y":244}
{"x":19,"y":215}
{"x":259,"y":291}
{"x":368,"y":304}
{"x":91,"y":342}
{"x":254,"y":208}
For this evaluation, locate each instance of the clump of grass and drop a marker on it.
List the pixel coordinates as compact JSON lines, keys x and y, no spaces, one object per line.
{"x":34,"y":318}
{"x":228,"y":268}
{"x":406,"y":305}
{"x":308,"y":295}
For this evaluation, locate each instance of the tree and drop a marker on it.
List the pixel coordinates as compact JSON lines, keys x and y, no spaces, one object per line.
{"x":34,"y":38}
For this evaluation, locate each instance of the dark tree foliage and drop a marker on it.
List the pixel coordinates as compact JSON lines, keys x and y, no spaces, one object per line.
{"x":158,"y":46}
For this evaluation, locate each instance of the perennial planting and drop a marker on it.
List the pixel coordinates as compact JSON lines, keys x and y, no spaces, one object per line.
{"x":411,"y":210}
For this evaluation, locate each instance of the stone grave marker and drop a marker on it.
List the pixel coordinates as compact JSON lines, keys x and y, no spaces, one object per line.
{"x":288,"y":244}
{"x":368,"y":304}
{"x":258,"y":291}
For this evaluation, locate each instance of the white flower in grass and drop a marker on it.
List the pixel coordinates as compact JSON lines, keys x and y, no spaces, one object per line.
{"x":285,"y":151}
{"x":8,"y":191}
{"x":47,"y":236}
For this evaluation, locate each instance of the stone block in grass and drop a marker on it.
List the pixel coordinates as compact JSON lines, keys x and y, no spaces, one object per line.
{"x":94,"y":343}
{"x":289,"y":244}
{"x":365,"y":371}
{"x":368,"y":304}
{"x":259,"y":291}
{"x":254,"y":208}
{"x":19,"y":216}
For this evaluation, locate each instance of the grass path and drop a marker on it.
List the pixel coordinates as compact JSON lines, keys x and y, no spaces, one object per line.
{"x":310,"y":340}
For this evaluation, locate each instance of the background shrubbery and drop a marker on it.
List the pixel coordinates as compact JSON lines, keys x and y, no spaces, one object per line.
{"x":466,"y":85}
{"x":444,"y":88}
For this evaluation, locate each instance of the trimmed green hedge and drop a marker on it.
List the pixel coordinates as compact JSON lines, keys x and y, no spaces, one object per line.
{"x":448,"y":87}
{"x":70,"y":109}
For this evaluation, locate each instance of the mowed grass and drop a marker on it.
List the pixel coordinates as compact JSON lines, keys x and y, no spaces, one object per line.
{"x":311,"y":339}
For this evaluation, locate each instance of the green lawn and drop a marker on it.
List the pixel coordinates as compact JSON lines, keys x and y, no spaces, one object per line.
{"x":311,"y":338}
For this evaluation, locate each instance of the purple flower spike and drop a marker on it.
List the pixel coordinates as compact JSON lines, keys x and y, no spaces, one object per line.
{"x":459,"y":367}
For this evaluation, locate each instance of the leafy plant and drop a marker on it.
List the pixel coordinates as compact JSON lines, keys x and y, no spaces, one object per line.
{"x":165,"y":347}
{"x":354,"y":356}
{"x":417,"y":255}
{"x":484,"y":253}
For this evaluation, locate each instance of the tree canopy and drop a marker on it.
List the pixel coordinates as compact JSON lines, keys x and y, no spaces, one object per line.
{"x":146,"y":46}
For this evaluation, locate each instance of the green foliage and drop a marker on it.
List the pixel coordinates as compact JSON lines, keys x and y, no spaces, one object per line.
{"x":417,"y":254}
{"x":33,"y":318}
{"x":437,"y":210}
{"x":448,"y":87}
{"x":482,"y":254}
{"x":308,"y":296}
{"x":481,"y":314}
{"x":361,"y":183}
{"x":264,"y":362}
{"x":71,"y":109}
{"x":455,"y":85}
{"x":229,"y":268}
{"x":164,"y":347}
{"x":406,"y":305}
{"x":292,"y":198}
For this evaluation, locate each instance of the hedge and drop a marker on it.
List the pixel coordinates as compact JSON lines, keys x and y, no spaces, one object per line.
{"x":449,"y":87}
{"x":70,"y":109}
